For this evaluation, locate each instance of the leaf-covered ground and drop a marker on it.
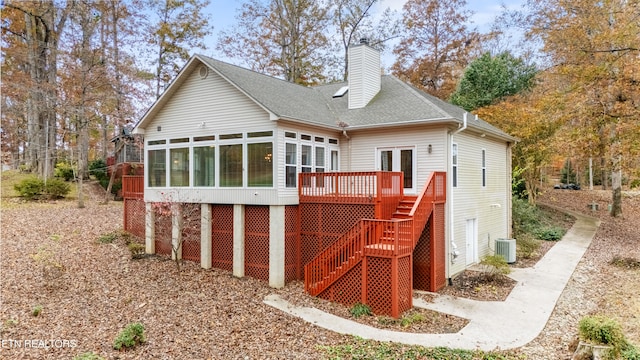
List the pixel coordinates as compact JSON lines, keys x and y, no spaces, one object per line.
{"x":88,"y":291}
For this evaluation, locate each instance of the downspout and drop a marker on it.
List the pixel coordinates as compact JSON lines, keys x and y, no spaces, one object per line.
{"x":344,"y":132}
{"x":464,"y":124}
{"x":451,"y":247}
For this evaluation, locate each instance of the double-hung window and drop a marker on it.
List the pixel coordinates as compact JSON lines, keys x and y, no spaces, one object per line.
{"x":454,"y":165}
{"x":157,"y":164}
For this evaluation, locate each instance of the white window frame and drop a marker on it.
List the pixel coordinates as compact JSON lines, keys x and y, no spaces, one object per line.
{"x":484,"y":167}
{"x":455,"y":154}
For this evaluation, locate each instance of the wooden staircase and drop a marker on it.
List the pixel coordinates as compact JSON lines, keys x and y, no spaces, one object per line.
{"x":392,"y":237}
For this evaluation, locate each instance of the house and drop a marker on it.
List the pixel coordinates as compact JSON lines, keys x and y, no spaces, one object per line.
{"x":365,"y":189}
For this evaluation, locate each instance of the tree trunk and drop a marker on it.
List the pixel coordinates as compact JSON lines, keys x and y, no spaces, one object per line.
{"x":616,"y":187}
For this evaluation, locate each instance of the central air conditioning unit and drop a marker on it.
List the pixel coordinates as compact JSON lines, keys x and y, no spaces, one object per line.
{"x":506,"y":248}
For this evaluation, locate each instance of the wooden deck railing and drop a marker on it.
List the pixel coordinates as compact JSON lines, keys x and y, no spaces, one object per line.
{"x":433,"y":192}
{"x":374,"y":237}
{"x":385,"y":189}
{"x":133,"y":186}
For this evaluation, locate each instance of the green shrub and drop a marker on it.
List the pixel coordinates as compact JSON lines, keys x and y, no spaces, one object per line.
{"x":630,"y":353}
{"x":411,"y":319}
{"x":98,"y":168}
{"x":117,"y":185}
{"x":30,"y":187}
{"x":527,"y":246}
{"x":604,"y":330}
{"x":108,"y":238}
{"x":130,"y":336}
{"x":64,"y":170}
{"x":550,"y":233}
{"x":55,"y":188}
{"x":88,"y":356}
{"x":360,"y":309}
{"x":495,"y":266}
{"x":36,"y":310}
{"x":137,"y":250}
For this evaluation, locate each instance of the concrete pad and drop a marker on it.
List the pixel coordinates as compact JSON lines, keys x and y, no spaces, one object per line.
{"x":492,"y":324}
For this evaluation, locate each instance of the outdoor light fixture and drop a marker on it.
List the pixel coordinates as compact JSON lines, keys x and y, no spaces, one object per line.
{"x":159,"y":128}
{"x":429,"y":149}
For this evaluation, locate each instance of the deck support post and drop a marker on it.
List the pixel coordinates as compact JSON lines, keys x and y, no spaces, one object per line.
{"x":205,"y":236}
{"x":238,"y":240}
{"x":149,"y":229}
{"x":176,"y":231}
{"x":395,"y":313}
{"x":276,"y":245}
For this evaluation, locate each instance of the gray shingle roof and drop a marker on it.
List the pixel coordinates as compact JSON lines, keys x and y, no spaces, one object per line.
{"x":396,"y":104}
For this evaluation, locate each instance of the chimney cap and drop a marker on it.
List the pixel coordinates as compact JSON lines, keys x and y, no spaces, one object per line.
{"x":364,"y":40}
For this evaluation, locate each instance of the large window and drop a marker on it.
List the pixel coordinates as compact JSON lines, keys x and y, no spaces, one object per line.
{"x":231,"y":165}
{"x":204,"y":160}
{"x":179,"y":173}
{"x":260,"y":164}
{"x":157,"y":160}
{"x":291,"y":158}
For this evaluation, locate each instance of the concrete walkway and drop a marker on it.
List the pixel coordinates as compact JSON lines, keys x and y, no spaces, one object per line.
{"x":492,"y":324}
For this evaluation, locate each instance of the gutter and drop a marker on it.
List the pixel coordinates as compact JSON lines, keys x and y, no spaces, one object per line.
{"x":464,"y":124}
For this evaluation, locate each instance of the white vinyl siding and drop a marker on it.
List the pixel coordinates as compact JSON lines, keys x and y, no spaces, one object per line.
{"x":488,"y":204}
{"x":361,"y":153}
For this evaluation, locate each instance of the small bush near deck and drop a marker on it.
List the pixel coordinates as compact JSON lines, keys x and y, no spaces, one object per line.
{"x":130,"y":336}
{"x":360,"y":309}
{"x":527,"y":246}
{"x":495,"y":266}
{"x":137,"y":250}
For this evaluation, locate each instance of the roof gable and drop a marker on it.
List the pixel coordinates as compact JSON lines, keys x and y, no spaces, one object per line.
{"x":396,"y":104}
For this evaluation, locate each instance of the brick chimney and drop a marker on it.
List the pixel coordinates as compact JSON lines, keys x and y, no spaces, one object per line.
{"x":364,"y":74}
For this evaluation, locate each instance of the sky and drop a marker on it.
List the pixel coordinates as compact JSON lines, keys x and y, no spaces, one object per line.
{"x":223,"y":14}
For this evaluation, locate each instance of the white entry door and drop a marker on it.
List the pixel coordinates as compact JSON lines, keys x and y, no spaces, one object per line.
{"x":399,"y":159}
{"x":472,"y":241}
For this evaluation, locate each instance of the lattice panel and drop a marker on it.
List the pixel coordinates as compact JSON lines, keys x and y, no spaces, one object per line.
{"x":347,"y":290}
{"x":134,"y":217}
{"x":222,"y":237}
{"x":439,"y":249}
{"x":422,"y":260}
{"x":162,"y":235}
{"x":256,"y":251}
{"x":292,"y":269}
{"x":322,"y":224}
{"x":405,"y":289}
{"x":379,"y":285}
{"x":191,"y":222}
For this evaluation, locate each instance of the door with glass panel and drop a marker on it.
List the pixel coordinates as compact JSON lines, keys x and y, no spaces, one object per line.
{"x":399,"y":159}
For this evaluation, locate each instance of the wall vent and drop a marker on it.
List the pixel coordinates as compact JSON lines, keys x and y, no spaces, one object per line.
{"x":506,"y":248}
{"x":203,"y":71}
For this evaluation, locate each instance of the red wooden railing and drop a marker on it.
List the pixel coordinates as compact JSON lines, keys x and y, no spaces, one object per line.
{"x":382,"y":188}
{"x":133,"y":187}
{"x":374,"y":237}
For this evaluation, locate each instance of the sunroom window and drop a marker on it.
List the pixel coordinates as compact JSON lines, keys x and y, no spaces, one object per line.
{"x":231,"y":165}
{"x":291,"y":165}
{"x":179,"y":166}
{"x":204,"y":160}
{"x":157,"y":168}
{"x":260,"y":156}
